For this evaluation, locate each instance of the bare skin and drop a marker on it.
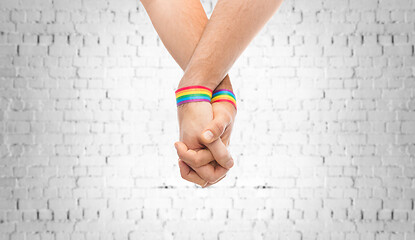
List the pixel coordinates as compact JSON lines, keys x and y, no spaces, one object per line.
{"x":232,"y":26}
{"x":197,"y":164}
{"x":206,"y":50}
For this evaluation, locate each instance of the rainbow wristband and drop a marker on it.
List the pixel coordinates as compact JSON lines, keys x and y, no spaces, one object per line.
{"x":224,"y":95}
{"x":193,"y":94}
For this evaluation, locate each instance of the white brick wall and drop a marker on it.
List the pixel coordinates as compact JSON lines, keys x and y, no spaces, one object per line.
{"x":324,"y":140}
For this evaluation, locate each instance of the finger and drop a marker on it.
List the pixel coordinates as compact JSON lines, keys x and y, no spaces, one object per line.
{"x":211,"y":172}
{"x":211,"y":183}
{"x":194,"y":159}
{"x":215,"y":129}
{"x":199,"y":161}
{"x":219,"y":179}
{"x":188,"y":174}
{"x":221,"y":153}
{"x":225,"y":140}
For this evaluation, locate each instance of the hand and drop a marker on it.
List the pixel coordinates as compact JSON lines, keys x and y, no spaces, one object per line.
{"x":198,"y":166}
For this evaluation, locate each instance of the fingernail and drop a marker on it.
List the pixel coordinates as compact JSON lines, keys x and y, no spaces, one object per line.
{"x":208,"y":135}
{"x":175,"y":145}
{"x":229,"y":164}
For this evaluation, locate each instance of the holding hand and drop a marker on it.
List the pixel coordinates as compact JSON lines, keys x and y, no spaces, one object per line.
{"x":201,"y":126}
{"x":206,"y":50}
{"x":199,"y":166}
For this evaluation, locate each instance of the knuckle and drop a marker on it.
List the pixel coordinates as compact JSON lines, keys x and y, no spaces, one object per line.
{"x":224,"y":156}
{"x":191,"y":161}
{"x":228,"y":117}
{"x":218,"y":128}
{"x":221,"y":127}
{"x":195,"y":160}
{"x":198,"y":161}
{"x":180,"y":154}
{"x":183,"y":175}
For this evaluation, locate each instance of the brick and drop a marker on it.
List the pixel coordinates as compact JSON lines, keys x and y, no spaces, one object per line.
{"x":157,"y":203}
{"x":93,"y":51}
{"x":398,"y":227}
{"x":19,"y":116}
{"x":64,"y":93}
{"x":340,"y":72}
{"x":25,"y":50}
{"x":77,"y":115}
{"x":31,"y":28}
{"x":92,"y":94}
{"x":27,"y":227}
{"x":363,"y":5}
{"x":381,"y":116}
{"x":55,"y":204}
{"x":8,"y":50}
{"x":9,"y":4}
{"x":49,"y":116}
{"x":398,"y":50}
{"x":368,"y":204}
{"x":32,"y":204}
{"x":368,"y":50}
{"x":337,"y":161}
{"x":95,"y":4}
{"x":381,"y":138}
{"x":8,"y":205}
{"x":122,"y":5}
{"x":366,"y":161}
{"x":339,"y":182}
{"x":49,"y":139}
{"x":366,"y":94}
{"x":39,"y":4}
{"x":395,"y":4}
{"x":90,"y":28}
{"x":398,"y":204}
{"x":60,"y":28}
{"x":91,"y":72}
{"x":352,"y":115}
{"x":368,"y":182}
{"x":338,"y":94}
{"x":65,"y":5}
{"x":7,"y":72}
{"x":59,"y":50}
{"x":335,"y":4}
{"x":332,"y":51}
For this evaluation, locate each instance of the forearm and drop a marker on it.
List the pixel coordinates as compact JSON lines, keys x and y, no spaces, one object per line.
{"x":180,"y":25}
{"x":232,"y":26}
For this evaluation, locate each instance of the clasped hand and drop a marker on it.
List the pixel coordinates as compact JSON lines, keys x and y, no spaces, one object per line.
{"x":205,"y":131}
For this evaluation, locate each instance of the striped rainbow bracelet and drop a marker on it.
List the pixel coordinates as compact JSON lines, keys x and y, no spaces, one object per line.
{"x":224,"y":95}
{"x":193,"y":94}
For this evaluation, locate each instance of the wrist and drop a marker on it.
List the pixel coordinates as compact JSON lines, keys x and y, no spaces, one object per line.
{"x":224,"y":95}
{"x":188,"y":82}
{"x":193,"y":94}
{"x":225,"y":84}
{"x":207,"y":82}
{"x":199,"y":78}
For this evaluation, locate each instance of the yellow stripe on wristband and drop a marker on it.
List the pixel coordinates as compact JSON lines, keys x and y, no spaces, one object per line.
{"x":193,"y":94}
{"x":224,"y":95}
{"x":194,"y":91}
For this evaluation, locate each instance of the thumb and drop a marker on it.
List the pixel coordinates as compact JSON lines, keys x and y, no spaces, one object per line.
{"x":214,"y":129}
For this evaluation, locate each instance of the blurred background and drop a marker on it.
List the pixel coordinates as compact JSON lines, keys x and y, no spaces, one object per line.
{"x":324,"y":140}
